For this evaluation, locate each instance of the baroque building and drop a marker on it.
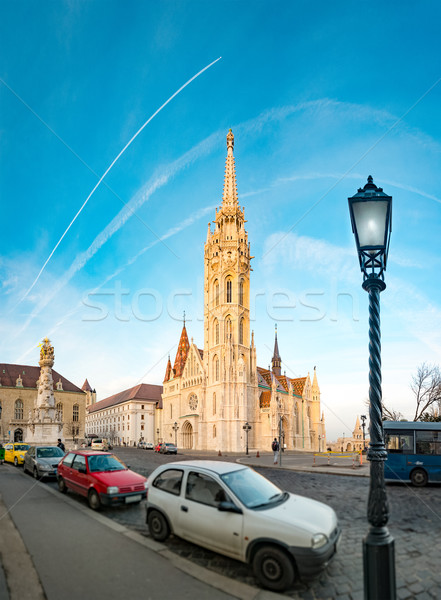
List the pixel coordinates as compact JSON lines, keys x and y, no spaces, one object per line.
{"x":211,"y":394}
{"x":38,"y":405}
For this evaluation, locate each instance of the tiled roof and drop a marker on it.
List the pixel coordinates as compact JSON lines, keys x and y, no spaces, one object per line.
{"x":265,"y":399}
{"x":182,"y":353}
{"x":265,"y":379}
{"x":86,"y":387}
{"x":167,"y":371}
{"x":143,"y":391}
{"x":29,"y":375}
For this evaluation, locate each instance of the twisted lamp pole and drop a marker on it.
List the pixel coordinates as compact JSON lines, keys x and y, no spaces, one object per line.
{"x":370,"y":209}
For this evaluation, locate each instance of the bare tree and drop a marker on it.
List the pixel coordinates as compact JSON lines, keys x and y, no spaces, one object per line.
{"x":389,"y":414}
{"x":73,"y":429}
{"x":426,"y":385}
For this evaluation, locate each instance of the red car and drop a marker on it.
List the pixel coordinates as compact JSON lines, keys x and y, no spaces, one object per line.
{"x":101,"y":477}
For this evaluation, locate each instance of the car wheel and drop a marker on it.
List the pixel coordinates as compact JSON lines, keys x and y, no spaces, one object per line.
{"x":158,"y":526}
{"x":62,"y":485}
{"x":273,"y":568}
{"x":35,"y":472}
{"x":94,"y":500}
{"x":419,"y":477}
{"x":15,"y":461}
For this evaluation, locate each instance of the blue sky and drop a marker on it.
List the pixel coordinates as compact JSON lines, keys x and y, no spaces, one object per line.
{"x":318,"y":95}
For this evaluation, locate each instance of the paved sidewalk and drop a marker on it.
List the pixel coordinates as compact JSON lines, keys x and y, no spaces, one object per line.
{"x":304,"y":462}
{"x":55,"y":547}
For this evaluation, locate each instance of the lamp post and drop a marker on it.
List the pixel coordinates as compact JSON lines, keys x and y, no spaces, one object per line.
{"x":175,"y":429}
{"x":363,"y":425}
{"x":370,"y":210}
{"x":157,"y":434}
{"x":246,"y":428}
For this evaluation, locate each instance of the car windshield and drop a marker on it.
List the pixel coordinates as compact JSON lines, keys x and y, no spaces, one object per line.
{"x":253,"y":490}
{"x":21,"y":446}
{"x":106,"y":462}
{"x":49,"y":452}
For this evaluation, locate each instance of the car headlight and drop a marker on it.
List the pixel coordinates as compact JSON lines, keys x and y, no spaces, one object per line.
{"x":318,"y":540}
{"x":44,"y":467}
{"x":112,"y":489}
{"x":145,"y":485}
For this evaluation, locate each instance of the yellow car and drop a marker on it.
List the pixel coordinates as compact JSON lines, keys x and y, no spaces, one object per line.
{"x":14,"y":452}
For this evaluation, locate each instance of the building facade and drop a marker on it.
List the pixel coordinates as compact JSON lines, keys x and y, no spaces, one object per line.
{"x":353,"y":443}
{"x":212,"y":394}
{"x":127,"y":417}
{"x":38,"y":405}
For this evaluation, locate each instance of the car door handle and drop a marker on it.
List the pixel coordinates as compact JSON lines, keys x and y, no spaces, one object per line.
{"x":184,"y":508}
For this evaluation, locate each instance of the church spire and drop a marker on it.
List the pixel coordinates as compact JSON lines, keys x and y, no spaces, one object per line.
{"x":229,"y":197}
{"x":182,"y":353}
{"x":276,"y":361}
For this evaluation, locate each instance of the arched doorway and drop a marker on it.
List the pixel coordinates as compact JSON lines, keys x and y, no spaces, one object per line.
{"x":187,"y":435}
{"x":18,"y":435}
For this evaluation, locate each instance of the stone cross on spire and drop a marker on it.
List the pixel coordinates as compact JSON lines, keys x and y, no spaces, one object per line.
{"x":229,"y":197}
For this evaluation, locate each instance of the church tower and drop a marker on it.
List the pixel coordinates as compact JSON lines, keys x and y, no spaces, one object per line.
{"x":227,"y":352}
{"x":276,"y":361}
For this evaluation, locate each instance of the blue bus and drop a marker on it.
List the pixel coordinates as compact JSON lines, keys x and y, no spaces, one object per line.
{"x":413,"y":451}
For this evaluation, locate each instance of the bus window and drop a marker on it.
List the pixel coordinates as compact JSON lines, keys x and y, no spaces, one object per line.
{"x":428,"y":442}
{"x":399,"y":443}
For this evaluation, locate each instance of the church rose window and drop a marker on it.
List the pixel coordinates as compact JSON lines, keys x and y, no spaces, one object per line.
{"x":193,"y":402}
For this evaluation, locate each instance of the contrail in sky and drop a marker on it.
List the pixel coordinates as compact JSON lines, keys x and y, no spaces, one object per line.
{"x":111,"y":165}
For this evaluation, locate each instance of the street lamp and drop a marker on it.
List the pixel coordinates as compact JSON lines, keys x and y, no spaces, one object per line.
{"x":247,"y":428}
{"x":363,"y":425}
{"x":175,"y":429}
{"x":157,"y":434}
{"x":370,"y":209}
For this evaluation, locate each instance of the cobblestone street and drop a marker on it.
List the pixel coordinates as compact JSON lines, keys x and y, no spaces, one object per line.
{"x":415,"y":522}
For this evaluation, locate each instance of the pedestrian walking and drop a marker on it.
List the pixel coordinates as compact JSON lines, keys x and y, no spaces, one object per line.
{"x":275,"y":448}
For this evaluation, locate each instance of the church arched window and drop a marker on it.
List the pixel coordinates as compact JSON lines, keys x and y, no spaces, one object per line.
{"x":59,"y":411}
{"x":214,"y":431}
{"x":241,"y":292}
{"x":216,"y":368}
{"x":228,"y":328}
{"x":216,"y":331}
{"x":18,"y":409}
{"x":75,"y":412}
{"x":241,"y":331}
{"x":216,"y":293}
{"x":214,"y":403}
{"x":229,"y":284}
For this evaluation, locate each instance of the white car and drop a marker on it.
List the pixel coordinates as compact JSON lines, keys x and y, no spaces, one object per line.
{"x":231,"y":509}
{"x":149,"y":446}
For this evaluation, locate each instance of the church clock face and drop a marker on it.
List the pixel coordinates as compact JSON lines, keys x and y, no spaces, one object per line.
{"x":193,"y":402}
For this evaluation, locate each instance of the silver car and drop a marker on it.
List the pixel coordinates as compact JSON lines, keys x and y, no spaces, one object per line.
{"x":42,"y":461}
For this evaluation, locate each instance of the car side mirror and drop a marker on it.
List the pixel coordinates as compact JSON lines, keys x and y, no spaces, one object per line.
{"x":229,"y":507}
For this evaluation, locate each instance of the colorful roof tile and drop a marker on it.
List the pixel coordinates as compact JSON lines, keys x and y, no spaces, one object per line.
{"x":182,"y":353}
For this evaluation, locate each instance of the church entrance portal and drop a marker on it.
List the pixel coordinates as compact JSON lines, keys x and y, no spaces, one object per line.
{"x":18,"y":435}
{"x":187,"y":435}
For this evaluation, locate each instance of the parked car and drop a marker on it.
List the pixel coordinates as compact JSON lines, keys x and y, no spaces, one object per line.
{"x":167,"y":448}
{"x":141,"y":445}
{"x":100,"y":444}
{"x":15,"y":452}
{"x":101,"y":477}
{"x":149,"y":445}
{"x":231,"y":509}
{"x":42,"y":461}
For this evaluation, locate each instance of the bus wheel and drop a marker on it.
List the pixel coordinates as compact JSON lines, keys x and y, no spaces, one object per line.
{"x":419,"y":477}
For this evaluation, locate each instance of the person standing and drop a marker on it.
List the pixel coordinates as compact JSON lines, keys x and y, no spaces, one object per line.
{"x":275,"y":448}
{"x":61,"y":445}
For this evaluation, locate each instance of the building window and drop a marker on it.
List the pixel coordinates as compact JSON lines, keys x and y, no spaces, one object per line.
{"x":229,"y":287}
{"x":142,"y":426}
{"x":142,"y":417}
{"x":76,"y":412}
{"x":59,"y":410}
{"x":241,"y":332}
{"x":227,"y":328}
{"x":214,"y":431}
{"x":171,"y":411}
{"x":216,"y":293}
{"x":214,"y":403}
{"x":216,"y":368}
{"x":241,"y":292}
{"x":216,"y":331}
{"x":18,"y":412}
